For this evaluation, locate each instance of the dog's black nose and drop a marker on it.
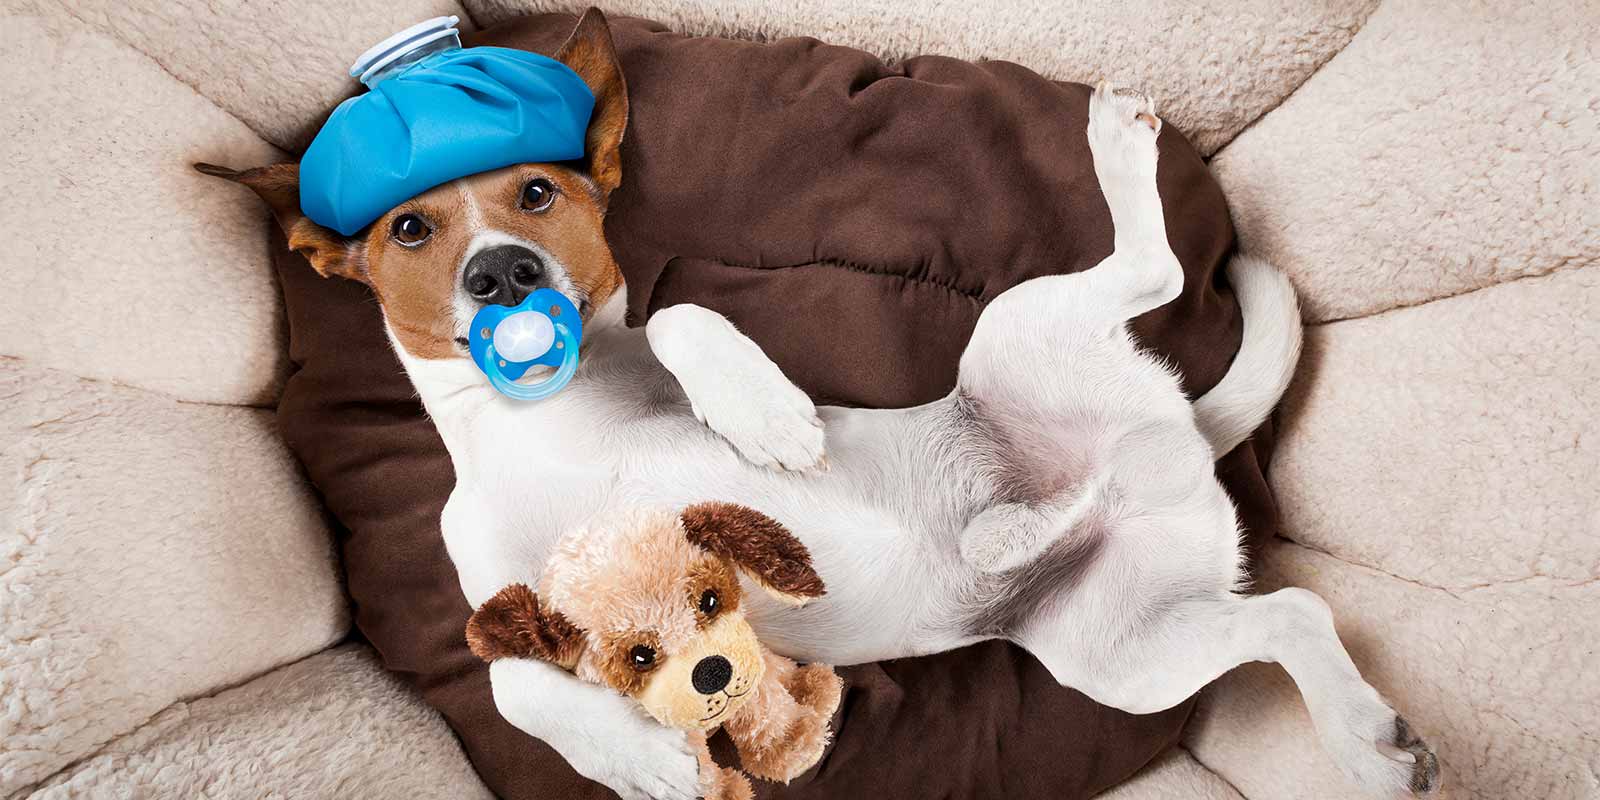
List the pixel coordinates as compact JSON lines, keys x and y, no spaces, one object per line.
{"x":503,"y":275}
{"x":711,"y":674}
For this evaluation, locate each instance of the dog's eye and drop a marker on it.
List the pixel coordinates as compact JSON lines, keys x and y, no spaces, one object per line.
{"x":538,"y":195}
{"x":642,"y":657}
{"x":410,"y":230}
{"x":710,"y":604}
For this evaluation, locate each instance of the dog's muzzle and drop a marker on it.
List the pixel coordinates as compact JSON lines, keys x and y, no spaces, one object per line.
{"x":504,"y":275}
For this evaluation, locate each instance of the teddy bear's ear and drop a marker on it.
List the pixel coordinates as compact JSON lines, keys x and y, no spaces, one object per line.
{"x":759,"y":545}
{"x":513,"y":624}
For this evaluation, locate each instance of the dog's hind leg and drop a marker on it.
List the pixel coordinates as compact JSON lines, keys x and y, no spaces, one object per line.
{"x":1009,"y":535}
{"x":1122,"y":133}
{"x":1163,"y":655}
{"x":1036,"y":343}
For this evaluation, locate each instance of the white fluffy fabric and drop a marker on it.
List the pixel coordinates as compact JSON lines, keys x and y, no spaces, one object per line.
{"x":125,"y":263}
{"x":1446,"y":149}
{"x":282,"y":73}
{"x":1496,"y":678}
{"x":332,"y":726}
{"x":277,"y":67}
{"x":1212,"y":70}
{"x":1173,"y":776}
{"x":1453,"y":444}
{"x":1438,"y":463}
{"x":152,"y":551}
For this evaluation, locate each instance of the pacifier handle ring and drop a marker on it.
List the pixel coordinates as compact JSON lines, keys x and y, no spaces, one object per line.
{"x":544,"y":388}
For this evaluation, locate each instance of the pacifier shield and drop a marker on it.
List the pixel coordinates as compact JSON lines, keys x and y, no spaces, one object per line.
{"x":543,"y":330}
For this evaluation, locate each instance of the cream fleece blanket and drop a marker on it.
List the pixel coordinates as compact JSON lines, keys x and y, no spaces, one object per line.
{"x":1428,"y":173}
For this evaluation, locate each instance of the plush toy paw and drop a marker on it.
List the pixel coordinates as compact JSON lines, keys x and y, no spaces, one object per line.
{"x":813,"y":693}
{"x":817,"y":687}
{"x":719,"y":783}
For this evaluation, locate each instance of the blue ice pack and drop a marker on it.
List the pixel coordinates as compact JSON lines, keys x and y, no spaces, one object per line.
{"x":435,"y":112}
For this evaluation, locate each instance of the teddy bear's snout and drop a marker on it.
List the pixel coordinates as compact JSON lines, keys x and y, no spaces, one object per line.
{"x":711,"y":675}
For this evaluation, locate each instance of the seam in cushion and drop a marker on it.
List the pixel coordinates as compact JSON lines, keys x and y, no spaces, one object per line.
{"x":1562,"y":268}
{"x":1455,"y":592}
{"x":185,"y":703}
{"x":977,"y":296}
{"x":1360,"y":26}
{"x":114,"y":34}
{"x":30,"y":363}
{"x":1218,"y":775}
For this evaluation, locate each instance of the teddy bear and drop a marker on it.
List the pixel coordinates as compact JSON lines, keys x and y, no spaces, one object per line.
{"x":647,"y":602}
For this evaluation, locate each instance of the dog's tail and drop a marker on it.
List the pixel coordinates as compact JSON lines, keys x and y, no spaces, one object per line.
{"x":1267,"y":354}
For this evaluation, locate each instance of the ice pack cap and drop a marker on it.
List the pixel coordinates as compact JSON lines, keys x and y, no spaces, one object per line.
{"x":435,"y":112}
{"x":405,"y":48}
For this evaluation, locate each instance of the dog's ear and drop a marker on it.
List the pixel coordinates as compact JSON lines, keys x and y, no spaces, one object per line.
{"x":513,"y":624}
{"x":759,"y":545}
{"x":590,"y":53}
{"x":279,"y":185}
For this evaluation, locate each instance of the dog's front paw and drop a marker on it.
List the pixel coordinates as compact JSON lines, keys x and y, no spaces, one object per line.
{"x":772,"y":424}
{"x":656,"y":763}
{"x":736,"y":390}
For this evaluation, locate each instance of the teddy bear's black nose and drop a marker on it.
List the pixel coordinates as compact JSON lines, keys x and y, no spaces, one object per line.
{"x":711,"y":674}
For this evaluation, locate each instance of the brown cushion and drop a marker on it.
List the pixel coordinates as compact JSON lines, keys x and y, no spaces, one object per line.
{"x":853,"y":218}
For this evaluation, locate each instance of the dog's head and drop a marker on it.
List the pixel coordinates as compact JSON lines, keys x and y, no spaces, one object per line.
{"x":491,"y":238}
{"x":648,"y":603}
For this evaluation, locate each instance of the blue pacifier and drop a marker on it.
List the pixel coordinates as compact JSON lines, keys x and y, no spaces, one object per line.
{"x":542,"y":330}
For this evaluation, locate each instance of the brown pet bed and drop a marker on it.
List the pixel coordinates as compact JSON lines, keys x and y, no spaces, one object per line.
{"x":853,"y":218}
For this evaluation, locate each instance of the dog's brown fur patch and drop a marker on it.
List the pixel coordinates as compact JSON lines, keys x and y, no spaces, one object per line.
{"x":757,"y":543}
{"x":417,"y":285}
{"x":513,"y":624}
{"x":590,"y":52}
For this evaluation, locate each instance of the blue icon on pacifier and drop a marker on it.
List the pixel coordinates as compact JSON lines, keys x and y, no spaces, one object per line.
{"x":543,"y":330}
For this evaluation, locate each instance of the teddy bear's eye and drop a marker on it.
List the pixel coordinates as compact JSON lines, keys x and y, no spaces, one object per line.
{"x":710,"y":604}
{"x":642,"y":657}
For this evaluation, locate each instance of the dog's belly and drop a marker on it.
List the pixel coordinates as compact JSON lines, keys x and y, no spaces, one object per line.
{"x":881,"y":525}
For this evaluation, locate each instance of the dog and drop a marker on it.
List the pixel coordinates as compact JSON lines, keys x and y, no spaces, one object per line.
{"x":647,"y":602}
{"x":1062,"y":497}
